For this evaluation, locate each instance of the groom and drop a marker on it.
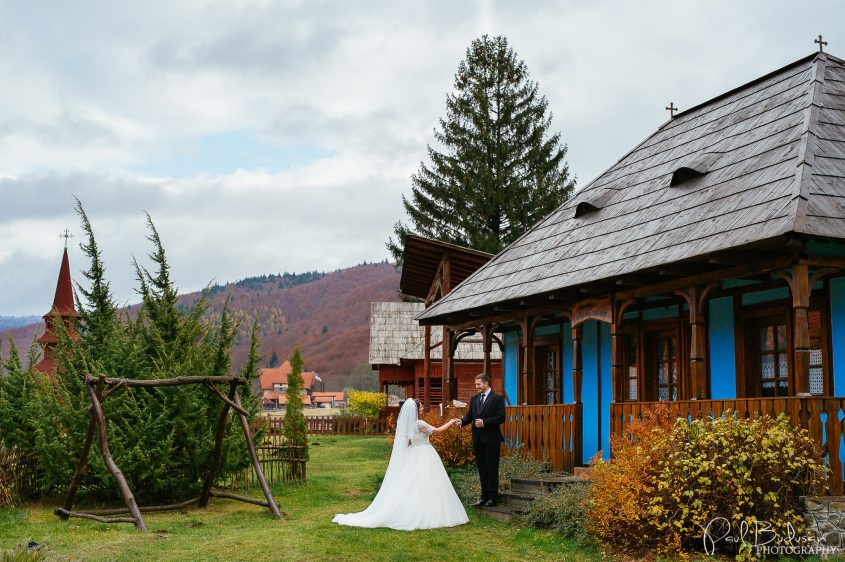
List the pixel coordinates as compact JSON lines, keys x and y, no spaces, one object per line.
{"x":486,"y":413}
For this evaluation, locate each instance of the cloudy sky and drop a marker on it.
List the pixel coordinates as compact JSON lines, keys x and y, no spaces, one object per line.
{"x":279,"y":136}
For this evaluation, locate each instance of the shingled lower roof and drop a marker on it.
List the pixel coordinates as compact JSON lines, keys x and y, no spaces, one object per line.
{"x":395,"y":335}
{"x":760,"y":161}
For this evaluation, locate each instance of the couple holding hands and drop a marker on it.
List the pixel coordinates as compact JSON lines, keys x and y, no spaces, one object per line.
{"x":416,"y":492}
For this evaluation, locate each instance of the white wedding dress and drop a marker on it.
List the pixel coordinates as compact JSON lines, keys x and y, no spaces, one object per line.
{"x":416,"y":492}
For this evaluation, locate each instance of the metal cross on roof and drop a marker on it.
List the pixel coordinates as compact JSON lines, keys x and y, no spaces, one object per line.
{"x":821,"y":42}
{"x":671,"y":108}
{"x":66,"y":234}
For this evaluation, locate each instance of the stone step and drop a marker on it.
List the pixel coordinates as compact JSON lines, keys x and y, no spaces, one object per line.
{"x":537,"y":486}
{"x":500,"y":512}
{"x":516,"y":500}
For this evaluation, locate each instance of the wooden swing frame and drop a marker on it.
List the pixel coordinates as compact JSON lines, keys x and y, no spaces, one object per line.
{"x":97,"y":422}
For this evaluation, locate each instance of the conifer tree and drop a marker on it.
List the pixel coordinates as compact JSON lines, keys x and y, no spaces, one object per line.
{"x":296,"y":431}
{"x":498,"y":168}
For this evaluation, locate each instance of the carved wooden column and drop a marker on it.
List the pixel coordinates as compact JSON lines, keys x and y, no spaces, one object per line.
{"x":487,"y":338}
{"x":800,"y":288}
{"x":697,"y":353}
{"x":426,"y":369}
{"x":453,"y":381}
{"x":616,"y":358}
{"x":445,"y":359}
{"x":527,"y":346}
{"x":577,"y":363}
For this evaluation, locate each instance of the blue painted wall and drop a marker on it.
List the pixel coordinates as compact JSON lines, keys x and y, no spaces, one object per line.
{"x":591,"y":389}
{"x":606,"y":395}
{"x":722,"y":351}
{"x":837,"y":333}
{"x":510,"y":366}
{"x":566,"y":371}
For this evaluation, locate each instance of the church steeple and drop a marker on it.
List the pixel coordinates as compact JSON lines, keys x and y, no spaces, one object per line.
{"x":64,"y":307}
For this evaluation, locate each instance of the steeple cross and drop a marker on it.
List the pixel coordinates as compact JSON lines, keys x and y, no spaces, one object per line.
{"x":821,"y":43}
{"x":671,"y":109}
{"x":66,"y":234}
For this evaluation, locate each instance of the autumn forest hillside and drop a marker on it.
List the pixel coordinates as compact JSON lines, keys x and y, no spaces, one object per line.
{"x":327,"y":313}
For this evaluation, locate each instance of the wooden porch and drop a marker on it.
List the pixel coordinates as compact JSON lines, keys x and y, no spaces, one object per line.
{"x":823,"y":417}
{"x":544,"y":433}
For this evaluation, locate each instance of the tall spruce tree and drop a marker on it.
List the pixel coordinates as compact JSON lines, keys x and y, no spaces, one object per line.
{"x":296,"y":431}
{"x":500,"y":170}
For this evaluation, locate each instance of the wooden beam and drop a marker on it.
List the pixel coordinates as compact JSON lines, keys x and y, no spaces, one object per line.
{"x":427,"y":368}
{"x":146,"y":383}
{"x":271,"y":502}
{"x":125,"y":492}
{"x":737,"y":272}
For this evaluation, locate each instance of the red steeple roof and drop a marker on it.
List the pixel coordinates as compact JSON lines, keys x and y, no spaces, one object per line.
{"x":63,"y":306}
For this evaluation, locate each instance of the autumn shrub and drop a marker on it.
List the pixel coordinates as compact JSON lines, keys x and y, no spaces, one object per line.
{"x":366,"y":404}
{"x":670,"y":478}
{"x":561,"y":511}
{"x":513,"y":465}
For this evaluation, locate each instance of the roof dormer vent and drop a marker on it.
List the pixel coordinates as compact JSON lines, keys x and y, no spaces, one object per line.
{"x":584,"y":208}
{"x":694,"y":168}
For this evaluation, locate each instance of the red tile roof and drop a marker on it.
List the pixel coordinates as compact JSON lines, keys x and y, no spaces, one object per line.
{"x":279,"y":375}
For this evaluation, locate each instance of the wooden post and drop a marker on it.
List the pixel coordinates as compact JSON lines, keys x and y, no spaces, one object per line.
{"x":698,"y":367}
{"x":800,"y":287}
{"x":527,"y":347}
{"x":577,"y":364}
{"x":616,"y":363}
{"x":487,"y":338}
{"x":81,"y":466}
{"x":128,"y":498}
{"x":445,"y":367}
{"x":218,"y":447}
{"x":271,"y":501}
{"x":427,"y":369}
{"x":453,"y":380}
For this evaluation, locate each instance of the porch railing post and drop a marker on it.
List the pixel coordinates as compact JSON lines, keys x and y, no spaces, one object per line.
{"x":426,"y":369}
{"x":698,"y":368}
{"x":526,"y":359}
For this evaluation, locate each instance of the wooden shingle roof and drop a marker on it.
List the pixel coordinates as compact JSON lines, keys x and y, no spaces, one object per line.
{"x":753,"y":164}
{"x":395,"y":335}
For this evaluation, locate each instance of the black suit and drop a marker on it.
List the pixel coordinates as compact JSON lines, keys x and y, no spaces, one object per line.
{"x":487,"y":440}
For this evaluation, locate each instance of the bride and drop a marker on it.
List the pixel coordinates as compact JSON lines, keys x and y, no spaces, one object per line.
{"x":416,"y":492}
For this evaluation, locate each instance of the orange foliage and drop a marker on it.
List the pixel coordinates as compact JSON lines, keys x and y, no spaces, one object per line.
{"x":453,"y":445}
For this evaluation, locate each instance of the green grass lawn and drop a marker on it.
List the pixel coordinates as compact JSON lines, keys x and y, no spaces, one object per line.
{"x":342,"y":474}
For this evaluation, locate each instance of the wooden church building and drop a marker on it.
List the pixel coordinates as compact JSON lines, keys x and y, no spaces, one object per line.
{"x":64,"y":310}
{"x":704,"y":269}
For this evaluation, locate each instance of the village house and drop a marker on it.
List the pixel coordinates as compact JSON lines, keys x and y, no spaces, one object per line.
{"x":705,"y":269}
{"x":408,"y":355}
{"x":273,"y":385}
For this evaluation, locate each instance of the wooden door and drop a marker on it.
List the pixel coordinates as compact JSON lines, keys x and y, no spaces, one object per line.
{"x":663,"y":372}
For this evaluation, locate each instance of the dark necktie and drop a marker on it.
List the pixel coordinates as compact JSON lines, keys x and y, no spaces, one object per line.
{"x":481,"y":403}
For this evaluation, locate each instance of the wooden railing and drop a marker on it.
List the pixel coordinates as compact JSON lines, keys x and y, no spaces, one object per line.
{"x":545,"y":433}
{"x":331,"y":425}
{"x":823,"y":418}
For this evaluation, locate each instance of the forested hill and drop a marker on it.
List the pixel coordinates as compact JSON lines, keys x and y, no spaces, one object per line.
{"x":327,"y":313}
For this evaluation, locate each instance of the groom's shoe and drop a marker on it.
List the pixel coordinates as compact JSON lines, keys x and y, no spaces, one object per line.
{"x":479,"y":503}
{"x":490,"y":503}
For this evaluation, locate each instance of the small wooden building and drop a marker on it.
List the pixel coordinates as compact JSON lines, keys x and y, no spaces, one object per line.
{"x":408,"y":355}
{"x":63,"y":309}
{"x":704,"y":269}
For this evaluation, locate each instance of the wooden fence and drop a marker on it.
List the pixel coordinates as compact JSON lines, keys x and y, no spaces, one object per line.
{"x":18,"y":477}
{"x":279,"y":463}
{"x":545,"y":433}
{"x":331,"y":425}
{"x":823,"y":418}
